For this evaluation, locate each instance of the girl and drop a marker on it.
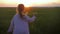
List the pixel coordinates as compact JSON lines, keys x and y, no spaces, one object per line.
{"x":19,"y":23}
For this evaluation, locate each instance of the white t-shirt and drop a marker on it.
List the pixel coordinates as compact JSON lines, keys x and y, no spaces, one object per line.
{"x":20,"y":26}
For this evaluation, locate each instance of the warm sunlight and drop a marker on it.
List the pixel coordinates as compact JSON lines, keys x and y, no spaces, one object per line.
{"x":28,"y":3}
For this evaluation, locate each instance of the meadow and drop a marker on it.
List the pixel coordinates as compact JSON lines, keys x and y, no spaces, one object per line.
{"x":47,"y":21}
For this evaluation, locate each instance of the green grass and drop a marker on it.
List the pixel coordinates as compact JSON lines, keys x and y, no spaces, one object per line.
{"x":47,"y":21}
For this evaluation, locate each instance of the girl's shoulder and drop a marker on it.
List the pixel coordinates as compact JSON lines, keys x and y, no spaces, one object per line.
{"x":16,"y":15}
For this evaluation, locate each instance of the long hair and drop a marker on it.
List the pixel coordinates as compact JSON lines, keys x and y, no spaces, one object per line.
{"x":20,"y":9}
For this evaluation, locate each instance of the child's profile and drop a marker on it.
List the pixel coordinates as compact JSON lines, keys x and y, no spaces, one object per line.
{"x":19,"y":23}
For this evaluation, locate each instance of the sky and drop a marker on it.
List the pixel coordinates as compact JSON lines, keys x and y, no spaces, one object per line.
{"x":30,"y":3}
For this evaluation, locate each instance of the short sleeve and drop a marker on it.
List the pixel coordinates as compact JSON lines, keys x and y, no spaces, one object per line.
{"x":11,"y":26}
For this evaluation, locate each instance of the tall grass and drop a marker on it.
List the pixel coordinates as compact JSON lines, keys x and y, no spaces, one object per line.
{"x":47,"y":20}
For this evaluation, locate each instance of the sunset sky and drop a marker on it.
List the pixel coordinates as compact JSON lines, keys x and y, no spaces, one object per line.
{"x":30,"y":3}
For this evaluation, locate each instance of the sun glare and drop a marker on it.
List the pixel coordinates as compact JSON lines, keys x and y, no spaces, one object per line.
{"x":28,"y":3}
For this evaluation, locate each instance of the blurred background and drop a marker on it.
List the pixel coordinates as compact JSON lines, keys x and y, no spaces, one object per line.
{"x":46,"y":11}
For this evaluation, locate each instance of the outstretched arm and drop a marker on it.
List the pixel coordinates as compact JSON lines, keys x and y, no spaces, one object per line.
{"x":30,"y":19}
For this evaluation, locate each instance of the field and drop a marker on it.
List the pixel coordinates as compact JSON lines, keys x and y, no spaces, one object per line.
{"x":47,"y":21}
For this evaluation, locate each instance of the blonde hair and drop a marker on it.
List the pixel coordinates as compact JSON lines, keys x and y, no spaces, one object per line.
{"x":19,"y":10}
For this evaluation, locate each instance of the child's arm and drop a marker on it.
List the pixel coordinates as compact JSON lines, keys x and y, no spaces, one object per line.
{"x":11,"y":26}
{"x":30,"y":19}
